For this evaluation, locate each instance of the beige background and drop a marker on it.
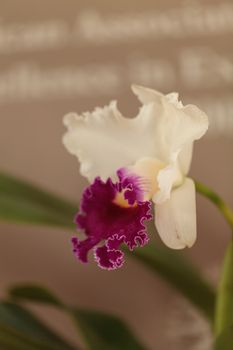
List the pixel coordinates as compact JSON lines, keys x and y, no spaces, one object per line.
{"x":84,"y":73}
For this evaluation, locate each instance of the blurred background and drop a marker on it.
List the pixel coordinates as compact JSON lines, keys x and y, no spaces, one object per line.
{"x":57,"y":57}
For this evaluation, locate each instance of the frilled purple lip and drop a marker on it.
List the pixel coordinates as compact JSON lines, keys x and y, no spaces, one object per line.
{"x":107,"y":224}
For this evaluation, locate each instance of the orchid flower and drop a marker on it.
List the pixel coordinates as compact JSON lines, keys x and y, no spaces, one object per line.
{"x":130,"y":164}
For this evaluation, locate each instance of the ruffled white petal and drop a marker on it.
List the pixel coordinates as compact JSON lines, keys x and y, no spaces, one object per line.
{"x":175,"y":219}
{"x":177,"y":126}
{"x":181,"y":128}
{"x":105,"y":141}
{"x":176,"y":129}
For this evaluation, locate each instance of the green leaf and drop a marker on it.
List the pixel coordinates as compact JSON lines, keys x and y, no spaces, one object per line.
{"x":10,"y":339}
{"x":105,"y":332}
{"x":224,"y":304}
{"x":32,"y":292}
{"x":178,"y":272}
{"x":101,"y":331}
{"x":225,"y":340}
{"x":20,"y":329}
{"x":20,"y":202}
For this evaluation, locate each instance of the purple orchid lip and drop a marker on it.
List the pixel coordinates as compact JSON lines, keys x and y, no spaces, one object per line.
{"x":105,"y":221}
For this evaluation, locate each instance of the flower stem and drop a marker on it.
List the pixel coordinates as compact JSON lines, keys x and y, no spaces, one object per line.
{"x":217,"y":200}
{"x":224,"y":304}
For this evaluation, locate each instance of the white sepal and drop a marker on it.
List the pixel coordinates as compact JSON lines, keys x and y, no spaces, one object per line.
{"x":175,"y":219}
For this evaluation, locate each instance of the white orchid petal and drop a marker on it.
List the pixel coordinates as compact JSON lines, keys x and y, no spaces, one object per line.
{"x":178,"y":129}
{"x":173,"y":98}
{"x":185,"y":158}
{"x":175,"y":219}
{"x":177,"y":126}
{"x":146,"y":95}
{"x":105,"y":141}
